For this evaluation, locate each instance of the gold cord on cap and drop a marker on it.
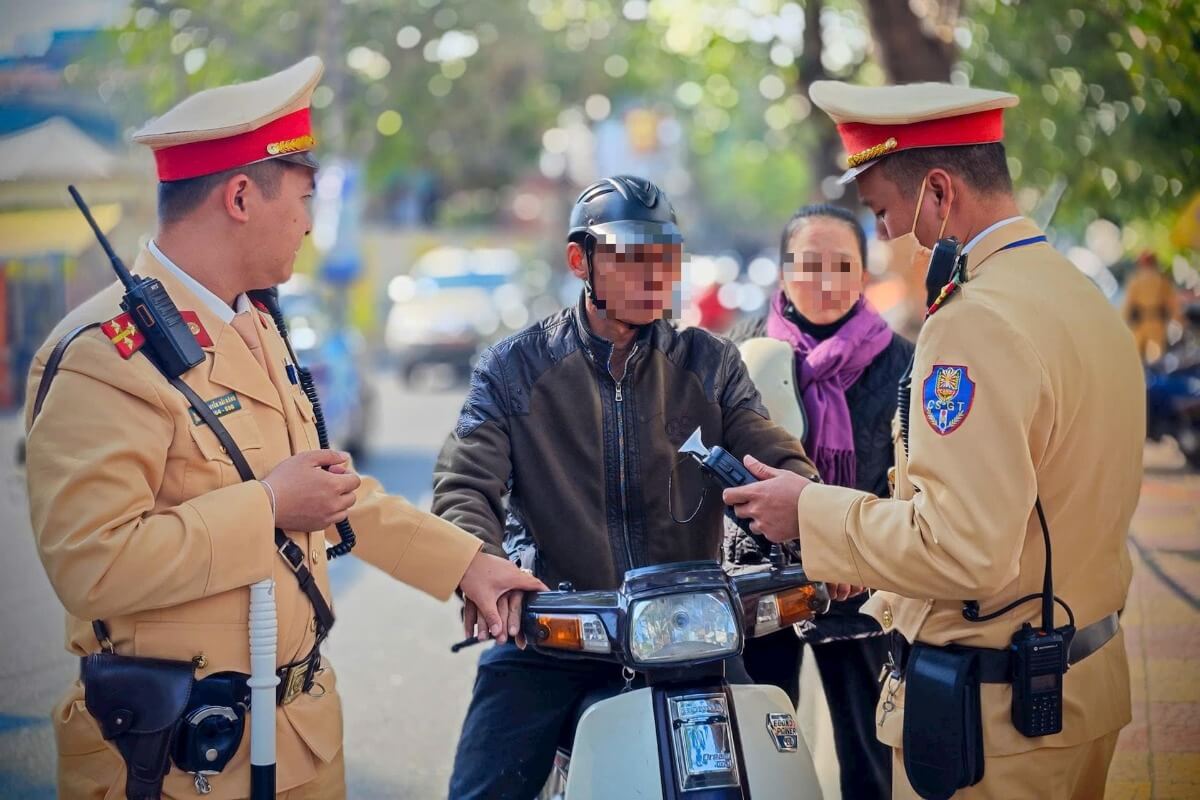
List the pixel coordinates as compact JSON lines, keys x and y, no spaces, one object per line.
{"x":871,"y":153}
{"x":306,"y":142}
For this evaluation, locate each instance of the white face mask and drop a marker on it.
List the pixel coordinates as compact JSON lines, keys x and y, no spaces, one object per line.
{"x":907,"y":256}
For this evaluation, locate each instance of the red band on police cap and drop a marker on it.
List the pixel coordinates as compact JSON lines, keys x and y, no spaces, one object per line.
{"x":869,"y":141}
{"x":194,"y":159}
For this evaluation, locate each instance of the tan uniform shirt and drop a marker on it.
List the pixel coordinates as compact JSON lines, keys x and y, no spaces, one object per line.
{"x":142,"y":521}
{"x":1044,"y":395}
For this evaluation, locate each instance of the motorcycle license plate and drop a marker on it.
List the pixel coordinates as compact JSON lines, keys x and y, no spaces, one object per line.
{"x":704,"y":748}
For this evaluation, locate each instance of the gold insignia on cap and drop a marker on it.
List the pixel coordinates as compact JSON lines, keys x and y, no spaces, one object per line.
{"x":306,"y":142}
{"x":863,"y":156}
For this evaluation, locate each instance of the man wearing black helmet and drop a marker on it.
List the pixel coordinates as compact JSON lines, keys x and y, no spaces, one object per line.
{"x":578,"y":420}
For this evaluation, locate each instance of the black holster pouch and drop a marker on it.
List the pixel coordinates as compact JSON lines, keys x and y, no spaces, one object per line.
{"x":137,"y":703}
{"x":213,"y":724}
{"x":943,"y":729}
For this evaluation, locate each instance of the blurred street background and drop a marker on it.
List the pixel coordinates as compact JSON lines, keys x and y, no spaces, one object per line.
{"x":455,"y":134}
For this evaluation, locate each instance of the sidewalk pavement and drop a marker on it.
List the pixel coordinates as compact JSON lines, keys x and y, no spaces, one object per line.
{"x":1158,"y":754}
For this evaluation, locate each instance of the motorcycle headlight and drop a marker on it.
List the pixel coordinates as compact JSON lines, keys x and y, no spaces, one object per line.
{"x":683,"y":627}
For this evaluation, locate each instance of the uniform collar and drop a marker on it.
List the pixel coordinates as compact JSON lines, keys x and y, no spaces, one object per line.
{"x":232,"y":364}
{"x":983,"y":233}
{"x":214,"y":303}
{"x":995,"y":238}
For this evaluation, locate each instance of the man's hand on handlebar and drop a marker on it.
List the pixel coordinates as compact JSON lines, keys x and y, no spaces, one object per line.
{"x":509,"y":607}
{"x":487,"y":587}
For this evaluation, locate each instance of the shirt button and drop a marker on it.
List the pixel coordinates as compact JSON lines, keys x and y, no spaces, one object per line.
{"x":887,"y":618}
{"x":316,"y":555}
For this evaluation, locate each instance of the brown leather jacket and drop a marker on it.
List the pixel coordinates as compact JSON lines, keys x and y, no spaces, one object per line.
{"x":590,"y":465}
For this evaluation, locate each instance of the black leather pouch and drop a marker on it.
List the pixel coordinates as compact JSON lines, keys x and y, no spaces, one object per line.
{"x":943,"y":729}
{"x":138,"y":703}
{"x":213,"y":724}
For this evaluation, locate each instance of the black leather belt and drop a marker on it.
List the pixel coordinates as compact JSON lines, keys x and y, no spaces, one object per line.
{"x":295,"y":679}
{"x":995,"y":666}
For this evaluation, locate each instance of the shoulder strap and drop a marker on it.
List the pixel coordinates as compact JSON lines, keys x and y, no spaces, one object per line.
{"x":291,"y":552}
{"x":56,"y":357}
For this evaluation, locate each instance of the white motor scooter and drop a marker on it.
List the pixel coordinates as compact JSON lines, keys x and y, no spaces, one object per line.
{"x":689,"y":734}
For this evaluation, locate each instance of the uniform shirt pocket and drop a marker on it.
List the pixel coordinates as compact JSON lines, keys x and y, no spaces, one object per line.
{"x":307,"y":418}
{"x":212,"y":646}
{"x":210,"y":467}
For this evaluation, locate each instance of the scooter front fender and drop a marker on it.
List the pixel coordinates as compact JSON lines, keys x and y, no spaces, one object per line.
{"x":616,"y":750}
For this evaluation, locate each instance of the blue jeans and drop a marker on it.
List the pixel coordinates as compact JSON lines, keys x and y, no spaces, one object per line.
{"x":521,"y":708}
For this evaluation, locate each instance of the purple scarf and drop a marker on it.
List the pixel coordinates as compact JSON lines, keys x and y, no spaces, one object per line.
{"x":825,"y":370}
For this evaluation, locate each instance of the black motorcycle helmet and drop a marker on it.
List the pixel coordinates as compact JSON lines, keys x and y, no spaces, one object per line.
{"x":624,"y":211}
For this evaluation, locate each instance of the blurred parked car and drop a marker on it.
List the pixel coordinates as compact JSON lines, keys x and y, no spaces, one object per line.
{"x":337,"y":357}
{"x":455,"y":302}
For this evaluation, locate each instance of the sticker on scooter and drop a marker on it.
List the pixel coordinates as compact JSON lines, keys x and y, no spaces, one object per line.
{"x":782,"y":728}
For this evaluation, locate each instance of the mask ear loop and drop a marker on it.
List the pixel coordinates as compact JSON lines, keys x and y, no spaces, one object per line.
{"x":920,"y":199}
{"x":942,"y":232}
{"x":917,"y":216}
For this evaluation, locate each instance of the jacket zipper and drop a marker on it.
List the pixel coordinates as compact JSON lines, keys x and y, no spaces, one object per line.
{"x":620,"y":400}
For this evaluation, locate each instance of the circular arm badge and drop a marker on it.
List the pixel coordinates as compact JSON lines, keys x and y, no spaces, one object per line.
{"x":946,"y":398}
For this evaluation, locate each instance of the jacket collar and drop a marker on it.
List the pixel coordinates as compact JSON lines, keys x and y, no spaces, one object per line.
{"x":231,"y":364}
{"x":997,"y":240}
{"x":599,"y":348}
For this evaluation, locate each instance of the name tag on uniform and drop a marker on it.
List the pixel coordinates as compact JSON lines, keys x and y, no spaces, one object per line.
{"x":220,"y":406}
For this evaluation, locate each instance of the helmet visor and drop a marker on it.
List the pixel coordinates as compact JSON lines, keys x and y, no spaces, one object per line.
{"x":627,"y":233}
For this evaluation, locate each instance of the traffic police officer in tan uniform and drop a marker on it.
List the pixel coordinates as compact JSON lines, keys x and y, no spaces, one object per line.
{"x":1025,"y":385}
{"x":141,"y":520}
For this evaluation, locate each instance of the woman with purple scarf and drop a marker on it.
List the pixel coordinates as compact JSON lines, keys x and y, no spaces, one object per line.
{"x":848,"y":364}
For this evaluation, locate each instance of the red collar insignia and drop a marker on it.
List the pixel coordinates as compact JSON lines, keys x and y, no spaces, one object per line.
{"x":197,"y":328}
{"x":124,"y":334}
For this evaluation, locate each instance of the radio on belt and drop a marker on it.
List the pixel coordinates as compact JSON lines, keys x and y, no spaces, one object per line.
{"x":1039,"y":661}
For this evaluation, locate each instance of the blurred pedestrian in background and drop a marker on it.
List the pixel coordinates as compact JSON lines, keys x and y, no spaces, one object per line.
{"x":1151,"y":302}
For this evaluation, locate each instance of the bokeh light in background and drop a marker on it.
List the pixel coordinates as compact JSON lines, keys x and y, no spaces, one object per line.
{"x":473,"y":126}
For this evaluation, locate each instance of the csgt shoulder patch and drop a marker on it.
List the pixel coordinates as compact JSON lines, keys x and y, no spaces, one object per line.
{"x":946,"y":398}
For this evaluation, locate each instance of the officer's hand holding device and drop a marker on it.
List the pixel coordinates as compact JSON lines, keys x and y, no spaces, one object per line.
{"x":312,"y":490}
{"x":722,"y":468}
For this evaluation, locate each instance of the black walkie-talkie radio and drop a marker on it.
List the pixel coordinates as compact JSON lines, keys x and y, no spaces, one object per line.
{"x":1038,"y":657}
{"x":170,"y":342}
{"x":1039,"y":661}
{"x":943,"y":262}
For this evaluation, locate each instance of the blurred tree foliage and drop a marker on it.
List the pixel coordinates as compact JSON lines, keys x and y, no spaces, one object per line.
{"x":460,"y":93}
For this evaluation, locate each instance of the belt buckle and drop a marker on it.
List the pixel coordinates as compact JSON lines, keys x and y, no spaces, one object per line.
{"x":293,"y":556}
{"x":294,"y":681}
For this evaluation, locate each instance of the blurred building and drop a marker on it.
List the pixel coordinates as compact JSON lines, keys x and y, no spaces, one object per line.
{"x":51,"y":135}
